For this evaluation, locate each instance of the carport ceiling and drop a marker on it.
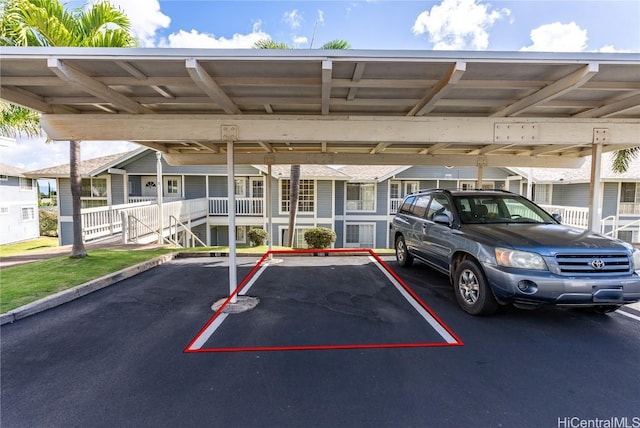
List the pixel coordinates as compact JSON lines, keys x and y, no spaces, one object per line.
{"x":334,"y":107}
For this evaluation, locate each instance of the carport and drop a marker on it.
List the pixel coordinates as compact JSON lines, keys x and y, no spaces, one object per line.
{"x":206,"y":107}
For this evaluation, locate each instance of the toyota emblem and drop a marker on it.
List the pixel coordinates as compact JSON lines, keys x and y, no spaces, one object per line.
{"x":597,"y":264}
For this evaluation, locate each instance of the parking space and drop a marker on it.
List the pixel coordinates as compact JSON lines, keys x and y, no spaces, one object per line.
{"x":321,"y":303}
{"x":116,"y":357}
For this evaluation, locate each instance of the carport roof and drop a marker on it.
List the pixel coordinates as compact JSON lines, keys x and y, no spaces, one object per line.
{"x":334,"y":107}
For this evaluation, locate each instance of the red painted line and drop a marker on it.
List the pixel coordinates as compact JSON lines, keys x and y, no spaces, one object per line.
{"x":323,"y":347}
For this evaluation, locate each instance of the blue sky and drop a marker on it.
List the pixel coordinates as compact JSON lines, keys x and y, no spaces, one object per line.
{"x":497,"y":25}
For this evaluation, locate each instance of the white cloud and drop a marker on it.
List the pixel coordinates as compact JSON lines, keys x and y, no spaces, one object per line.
{"x":146,"y":18}
{"x":54,"y":153}
{"x":458,"y":24}
{"x":195,"y":39}
{"x":293,"y":19}
{"x":300,"y":40}
{"x":320,"y":18}
{"x":558,"y":37}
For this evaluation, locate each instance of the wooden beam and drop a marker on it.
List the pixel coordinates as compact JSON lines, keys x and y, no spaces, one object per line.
{"x":327,"y":69}
{"x":562,"y":86}
{"x":440,"y":90}
{"x":613,"y":108}
{"x":204,"y":81}
{"x":95,"y":88}
{"x":355,"y":78}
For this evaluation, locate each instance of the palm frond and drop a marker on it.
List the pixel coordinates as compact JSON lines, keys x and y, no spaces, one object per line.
{"x":622,"y":159}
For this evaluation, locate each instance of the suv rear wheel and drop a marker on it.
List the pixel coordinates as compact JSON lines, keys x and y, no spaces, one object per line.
{"x":472,"y":291}
{"x":402,"y":253}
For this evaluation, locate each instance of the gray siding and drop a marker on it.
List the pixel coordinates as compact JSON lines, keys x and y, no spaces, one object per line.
{"x":64,"y":197}
{"x":339,"y":230}
{"x":457,"y":173}
{"x":428,"y":184}
{"x":448,"y":184}
{"x":609,"y":199}
{"x":382,"y":198}
{"x":66,"y":233}
{"x":340,"y":197}
{"x":217,"y":187}
{"x":117,"y":190}
{"x":146,"y":165}
{"x":572,"y":195}
{"x":195,"y":187}
{"x":135,"y":183}
{"x":382,"y":234}
{"x":324,"y":197}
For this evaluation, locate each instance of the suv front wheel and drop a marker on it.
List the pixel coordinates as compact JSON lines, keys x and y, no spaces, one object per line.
{"x":472,"y":291}
{"x":402,"y":253}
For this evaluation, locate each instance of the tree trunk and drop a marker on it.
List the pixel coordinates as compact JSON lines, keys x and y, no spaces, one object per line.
{"x":294,"y":196}
{"x":78,"y":250}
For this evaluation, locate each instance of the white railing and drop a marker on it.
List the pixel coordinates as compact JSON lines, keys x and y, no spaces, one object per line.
{"x":244,"y":206}
{"x":107,"y":221}
{"x":571,"y":216}
{"x":138,"y":199}
{"x":629,"y":208}
{"x":633,"y":226}
{"x":394,"y":204}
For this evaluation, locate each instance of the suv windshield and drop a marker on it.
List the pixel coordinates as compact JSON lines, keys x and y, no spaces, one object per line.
{"x":476,"y":209}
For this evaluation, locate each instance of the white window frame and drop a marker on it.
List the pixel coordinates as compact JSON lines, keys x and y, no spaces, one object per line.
{"x":361,"y":202}
{"x":106,"y":198}
{"x":4,"y":210}
{"x":4,"y":177}
{"x":357,"y":244}
{"x":252,"y":181}
{"x":471,"y":185}
{"x":241,"y":234}
{"x":399,"y":192}
{"x":26,"y":184}
{"x":31,"y":216}
{"x":240,"y":187}
{"x":166,"y":188}
{"x":298,"y":240}
{"x":310,"y":198}
{"x":408,"y":184}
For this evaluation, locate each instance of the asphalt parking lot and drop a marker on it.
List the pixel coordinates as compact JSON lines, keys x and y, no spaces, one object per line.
{"x":117,"y":357}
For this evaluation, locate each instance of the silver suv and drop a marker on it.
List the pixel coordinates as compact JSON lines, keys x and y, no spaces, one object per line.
{"x":498,"y":248}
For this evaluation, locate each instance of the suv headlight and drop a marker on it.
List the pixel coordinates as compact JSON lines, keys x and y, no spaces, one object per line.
{"x":520,"y":259}
{"x":636,"y":259}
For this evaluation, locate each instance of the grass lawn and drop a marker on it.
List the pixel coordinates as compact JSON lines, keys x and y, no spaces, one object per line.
{"x":31,"y":245}
{"x":27,"y":283}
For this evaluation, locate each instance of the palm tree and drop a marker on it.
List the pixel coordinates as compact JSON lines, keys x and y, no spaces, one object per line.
{"x":623,"y":157}
{"x":49,"y":23}
{"x":16,"y":121}
{"x":294,"y":187}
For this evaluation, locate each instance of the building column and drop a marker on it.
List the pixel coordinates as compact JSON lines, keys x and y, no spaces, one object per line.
{"x":233,"y":279}
{"x":159,"y":193}
{"x":595,"y":189}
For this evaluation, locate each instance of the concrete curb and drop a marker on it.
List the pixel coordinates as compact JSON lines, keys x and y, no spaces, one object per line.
{"x":81,"y":290}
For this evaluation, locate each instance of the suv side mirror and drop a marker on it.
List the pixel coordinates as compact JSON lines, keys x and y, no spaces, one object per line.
{"x":442,"y":219}
{"x":557,"y":217}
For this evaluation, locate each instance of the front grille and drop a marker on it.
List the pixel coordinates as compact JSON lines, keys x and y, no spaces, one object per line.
{"x":593,"y":264}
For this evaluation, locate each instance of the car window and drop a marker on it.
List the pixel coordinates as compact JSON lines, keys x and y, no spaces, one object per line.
{"x":439,"y":205}
{"x":405,"y":208}
{"x":499,"y":209}
{"x":420,"y":207}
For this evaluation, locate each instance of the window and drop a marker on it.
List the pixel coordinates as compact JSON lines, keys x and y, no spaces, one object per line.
{"x":420,"y":207}
{"x":411,"y":187}
{"x":93,"y":192}
{"x":241,"y":234}
{"x":298,"y":239}
{"x":240,"y":186}
{"x":359,"y":236}
{"x":394,"y":190}
{"x":405,"y":208}
{"x":4,"y":177}
{"x":257,"y":187}
{"x":439,"y":205}
{"x":471,"y":185}
{"x":4,"y":210}
{"x":361,"y":196}
{"x":630,"y":198}
{"x":173,"y":187}
{"x":542,"y":193}
{"x":306,"y":198}
{"x":28,"y":214}
{"x":26,"y":183}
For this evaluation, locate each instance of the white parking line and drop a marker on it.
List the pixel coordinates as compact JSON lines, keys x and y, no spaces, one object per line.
{"x":208,"y":332}
{"x":417,"y":306}
{"x":627,"y":314}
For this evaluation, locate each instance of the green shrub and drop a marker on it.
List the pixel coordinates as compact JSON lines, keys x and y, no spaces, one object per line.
{"x":48,"y":223}
{"x":257,"y":236}
{"x":319,"y":237}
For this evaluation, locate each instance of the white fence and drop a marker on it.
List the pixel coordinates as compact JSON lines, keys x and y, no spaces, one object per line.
{"x":107,"y":221}
{"x":244,"y":206}
{"x":571,"y":216}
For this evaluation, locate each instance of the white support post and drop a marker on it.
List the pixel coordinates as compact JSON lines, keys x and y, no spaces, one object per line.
{"x":530,"y":184}
{"x":231,"y":191}
{"x":595,"y":190}
{"x":159,"y":195}
{"x":269,"y":213}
